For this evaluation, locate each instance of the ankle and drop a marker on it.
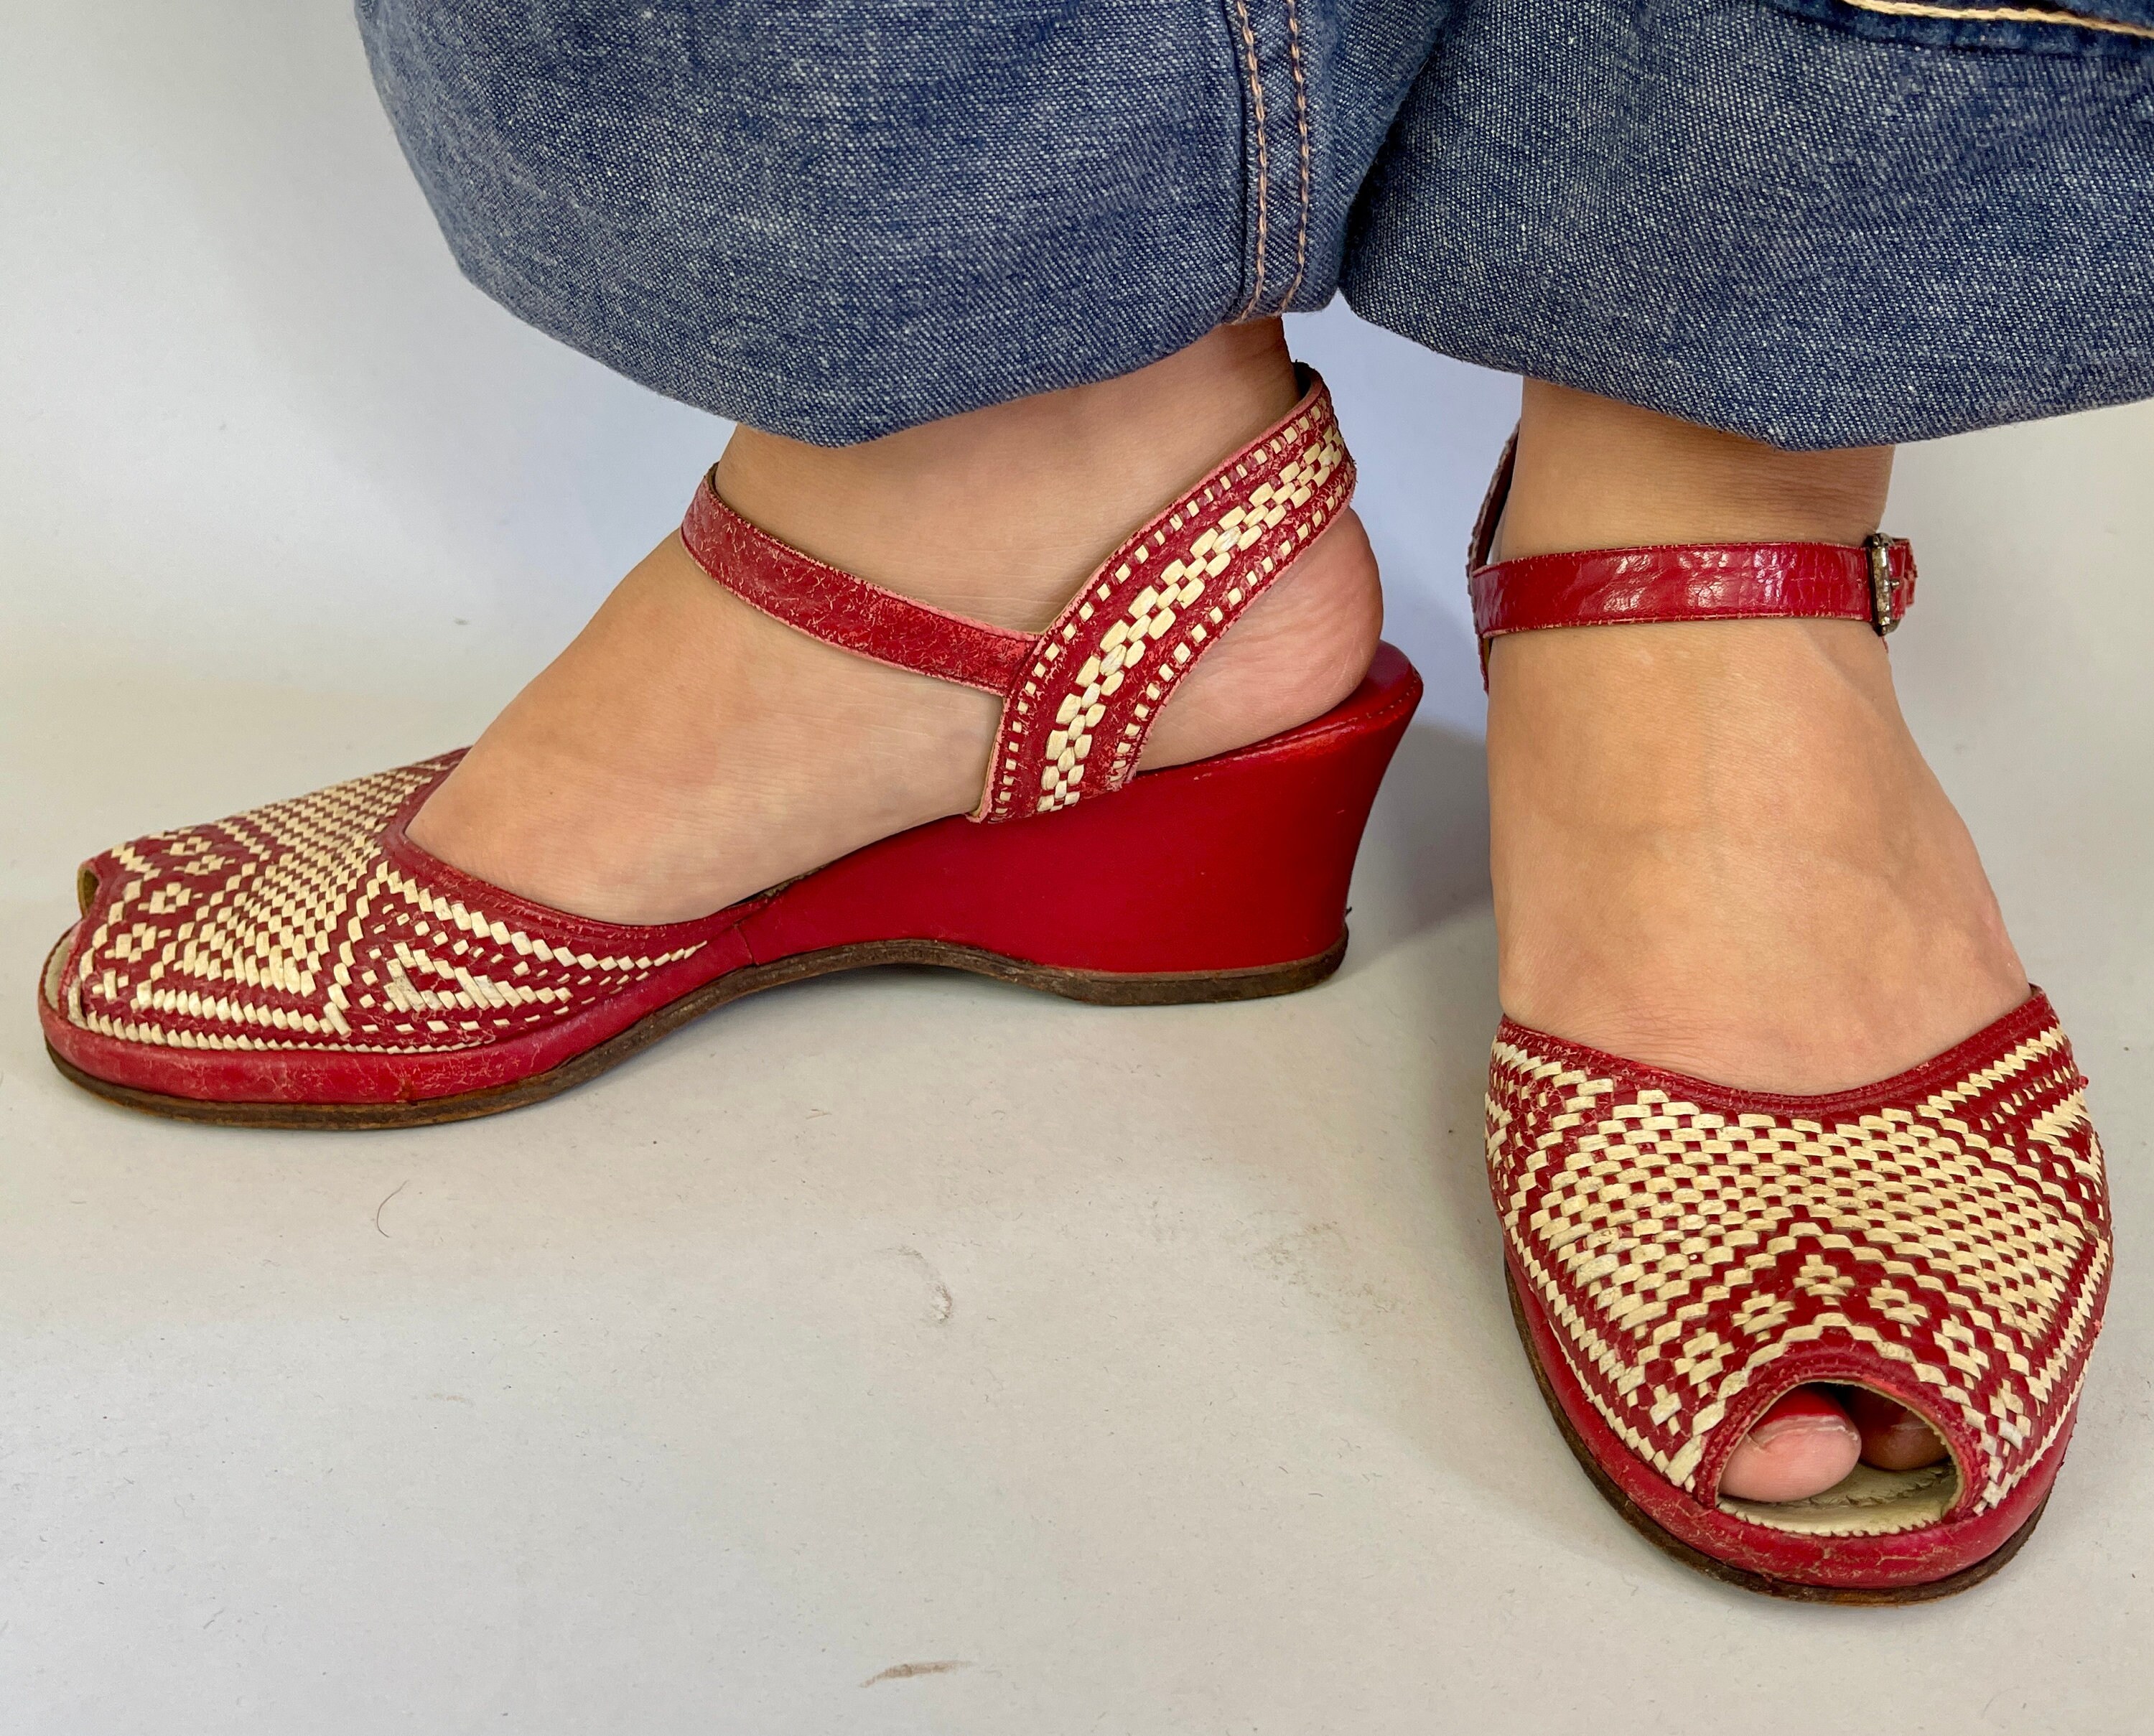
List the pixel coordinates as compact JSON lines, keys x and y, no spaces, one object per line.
{"x":1000,"y":514}
{"x":1716,"y":846}
{"x":1594,"y":473}
{"x":1717,"y":849}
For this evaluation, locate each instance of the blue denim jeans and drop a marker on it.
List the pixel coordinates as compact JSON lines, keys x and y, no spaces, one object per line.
{"x":1818,"y":223}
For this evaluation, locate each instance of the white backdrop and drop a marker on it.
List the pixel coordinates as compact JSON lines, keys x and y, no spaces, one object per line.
{"x":282,"y":500}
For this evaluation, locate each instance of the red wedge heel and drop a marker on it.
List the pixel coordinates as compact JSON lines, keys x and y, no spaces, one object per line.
{"x":1680,"y":1255}
{"x":1219,"y":881}
{"x":306,"y":965}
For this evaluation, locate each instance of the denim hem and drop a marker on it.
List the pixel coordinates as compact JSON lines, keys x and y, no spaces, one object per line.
{"x":1818,"y":222}
{"x":832,"y":221}
{"x":1841,"y":410}
{"x":1740,"y":216}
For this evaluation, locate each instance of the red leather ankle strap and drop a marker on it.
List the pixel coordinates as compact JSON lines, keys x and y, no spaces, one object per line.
{"x":828,"y":604}
{"x":1703,"y":581}
{"x":1872,"y":582}
{"x":1079,"y":699}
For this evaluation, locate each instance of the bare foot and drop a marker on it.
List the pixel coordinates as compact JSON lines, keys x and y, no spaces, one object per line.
{"x":1716,"y":847}
{"x":687,"y":752}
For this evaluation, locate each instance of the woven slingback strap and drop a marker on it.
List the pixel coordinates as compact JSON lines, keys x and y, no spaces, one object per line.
{"x":1079,"y":698}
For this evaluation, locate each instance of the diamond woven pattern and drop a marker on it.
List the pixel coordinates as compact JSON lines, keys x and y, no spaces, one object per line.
{"x":1955,"y":1234}
{"x":291,"y":926}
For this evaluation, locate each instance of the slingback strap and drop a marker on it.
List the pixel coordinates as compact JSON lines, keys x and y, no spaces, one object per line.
{"x":1079,"y":698}
{"x":1139,"y":624}
{"x":839,"y":609}
{"x":1873,"y":581}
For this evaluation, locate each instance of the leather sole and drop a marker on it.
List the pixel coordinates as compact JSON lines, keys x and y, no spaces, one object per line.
{"x":1728,"y":1573}
{"x":1108,"y":988}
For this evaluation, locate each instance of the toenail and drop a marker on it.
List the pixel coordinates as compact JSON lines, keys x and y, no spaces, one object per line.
{"x":1781,"y":1428}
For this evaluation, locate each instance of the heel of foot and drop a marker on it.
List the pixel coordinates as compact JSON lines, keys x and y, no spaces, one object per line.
{"x":1299,"y":650}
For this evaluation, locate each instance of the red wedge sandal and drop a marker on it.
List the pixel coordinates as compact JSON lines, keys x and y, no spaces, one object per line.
{"x":1680,"y":1254}
{"x":306,"y":965}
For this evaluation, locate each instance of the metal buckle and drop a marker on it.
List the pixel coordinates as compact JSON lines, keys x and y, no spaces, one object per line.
{"x":1884,"y":593}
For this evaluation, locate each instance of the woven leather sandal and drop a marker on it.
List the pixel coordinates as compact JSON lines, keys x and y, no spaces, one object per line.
{"x":306,"y":965}
{"x":1682,"y":1255}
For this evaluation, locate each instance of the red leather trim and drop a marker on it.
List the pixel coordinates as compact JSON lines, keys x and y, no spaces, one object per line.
{"x":844,"y":610}
{"x":1914,"y":1557}
{"x":329,"y":1076}
{"x":2031,"y":1017}
{"x":1723,"y":582}
{"x":563,"y":927}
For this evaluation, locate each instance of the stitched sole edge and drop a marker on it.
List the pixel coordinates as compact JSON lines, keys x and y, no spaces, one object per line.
{"x":1108,"y":988}
{"x":1726,"y":1572}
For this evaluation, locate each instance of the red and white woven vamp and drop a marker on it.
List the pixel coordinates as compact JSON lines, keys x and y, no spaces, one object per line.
{"x":1695,"y":1251}
{"x":310,"y":924}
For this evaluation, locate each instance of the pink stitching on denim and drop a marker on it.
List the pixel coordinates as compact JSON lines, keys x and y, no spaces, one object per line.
{"x":2012,"y":14}
{"x":1301,"y":120}
{"x":1264,"y":153}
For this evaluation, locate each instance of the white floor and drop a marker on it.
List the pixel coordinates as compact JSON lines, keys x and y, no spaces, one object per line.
{"x":895,"y":1354}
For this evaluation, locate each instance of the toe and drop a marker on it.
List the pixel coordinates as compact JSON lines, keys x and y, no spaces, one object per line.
{"x":1801,"y":1446}
{"x":1894,"y":1438}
